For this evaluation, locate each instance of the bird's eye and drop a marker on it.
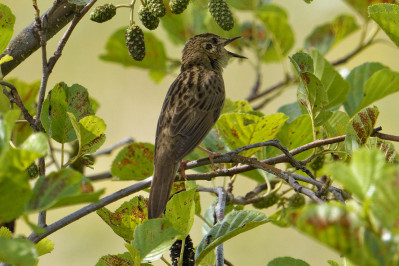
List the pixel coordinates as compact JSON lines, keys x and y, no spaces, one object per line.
{"x":208,"y":46}
{"x":214,"y":40}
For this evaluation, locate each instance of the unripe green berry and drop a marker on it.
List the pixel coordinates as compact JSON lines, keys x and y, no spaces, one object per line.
{"x":134,"y":38}
{"x":157,"y":7}
{"x":32,"y":170}
{"x":317,"y":163}
{"x":178,"y":6}
{"x":267,"y":201}
{"x":221,"y":12}
{"x":148,"y":19}
{"x":103,"y":13}
{"x":295,"y":201}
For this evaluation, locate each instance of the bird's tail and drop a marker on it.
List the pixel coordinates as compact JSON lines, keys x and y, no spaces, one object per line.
{"x":161,"y":186}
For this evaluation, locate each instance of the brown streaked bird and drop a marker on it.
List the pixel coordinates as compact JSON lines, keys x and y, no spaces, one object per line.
{"x":192,"y":105}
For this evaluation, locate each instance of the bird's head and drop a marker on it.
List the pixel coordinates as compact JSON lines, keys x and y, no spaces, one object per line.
{"x":207,"y":49}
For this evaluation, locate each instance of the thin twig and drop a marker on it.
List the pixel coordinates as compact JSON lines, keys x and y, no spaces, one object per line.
{"x":90,"y":208}
{"x":113,"y":147}
{"x":14,"y":97}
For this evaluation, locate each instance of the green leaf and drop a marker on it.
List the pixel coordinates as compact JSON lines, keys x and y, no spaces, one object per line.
{"x":14,"y":193}
{"x":366,"y":168}
{"x":336,"y":124}
{"x":79,"y":2}
{"x":292,"y":110}
{"x":127,"y":217}
{"x":5,"y":232}
{"x":62,"y":188}
{"x":233,"y":224}
{"x":311,"y":92}
{"x":381,"y":84}
{"x":119,"y":259}
{"x":7,"y":20}
{"x":326,"y":36}
{"x":44,"y":246}
{"x":361,"y":5}
{"x":240,"y":129}
{"x":183,"y":26}
{"x":243,"y":4}
{"x":6,"y":126}
{"x":134,"y":162}
{"x":383,"y":145}
{"x":281,"y":261}
{"x":277,"y":26}
{"x":360,"y":127}
{"x":60,"y":100}
{"x":36,"y":143}
{"x":295,"y":134}
{"x":18,"y":251}
{"x":387,"y":17}
{"x":116,"y":52}
{"x":90,"y":132}
{"x":336,"y":87}
{"x":357,"y":79}
{"x":154,"y":237}
{"x":6,"y":58}
{"x":339,"y":228}
{"x":27,"y":91}
{"x":180,"y":210}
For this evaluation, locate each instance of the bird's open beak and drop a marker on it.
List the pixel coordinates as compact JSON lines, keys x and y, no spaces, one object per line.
{"x":226,"y":42}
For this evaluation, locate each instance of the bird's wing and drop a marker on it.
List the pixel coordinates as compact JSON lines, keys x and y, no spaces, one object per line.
{"x":192,"y":106}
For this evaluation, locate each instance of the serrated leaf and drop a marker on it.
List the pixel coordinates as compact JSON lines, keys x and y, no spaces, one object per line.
{"x":127,"y":217}
{"x":60,"y":188}
{"x":154,"y":237}
{"x":326,"y":36}
{"x":5,"y":232}
{"x":240,"y":129}
{"x":116,"y":52}
{"x":360,"y":127}
{"x":387,"y":17}
{"x":60,"y":100}
{"x":134,"y":162}
{"x":277,"y":26}
{"x":381,"y":84}
{"x":44,"y":246}
{"x":180,"y":210}
{"x":361,"y":5}
{"x":240,"y":106}
{"x":387,"y":148}
{"x":233,"y":224}
{"x":350,"y":238}
{"x":336,"y":87}
{"x":7,"y":20}
{"x":18,"y":251}
{"x":36,"y":143}
{"x":287,"y":261}
{"x":6,"y":58}
{"x":119,"y":259}
{"x":357,"y":79}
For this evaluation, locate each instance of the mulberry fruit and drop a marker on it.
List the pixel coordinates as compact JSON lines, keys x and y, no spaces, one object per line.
{"x":221,"y":12}
{"x":103,"y":13}
{"x":134,"y":38}
{"x":178,"y":6}
{"x":149,"y":20}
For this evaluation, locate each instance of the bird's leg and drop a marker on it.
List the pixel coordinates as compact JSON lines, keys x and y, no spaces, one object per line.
{"x":182,"y":170}
{"x":211,"y":155}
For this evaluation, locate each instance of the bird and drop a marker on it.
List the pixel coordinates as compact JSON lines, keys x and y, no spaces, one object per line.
{"x":191,"y":107}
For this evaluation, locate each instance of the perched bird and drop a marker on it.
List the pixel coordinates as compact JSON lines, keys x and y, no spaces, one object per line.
{"x":192,"y":106}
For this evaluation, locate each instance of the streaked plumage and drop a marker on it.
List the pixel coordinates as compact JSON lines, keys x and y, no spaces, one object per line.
{"x":191,"y":107}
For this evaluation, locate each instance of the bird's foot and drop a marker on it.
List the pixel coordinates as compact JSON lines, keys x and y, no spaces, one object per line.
{"x":182,"y":170}
{"x":211,"y":155}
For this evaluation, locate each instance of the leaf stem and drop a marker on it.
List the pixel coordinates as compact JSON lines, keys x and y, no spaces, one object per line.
{"x":183,"y":243}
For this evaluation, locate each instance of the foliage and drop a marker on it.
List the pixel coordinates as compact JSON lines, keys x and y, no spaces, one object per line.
{"x":335,"y":113}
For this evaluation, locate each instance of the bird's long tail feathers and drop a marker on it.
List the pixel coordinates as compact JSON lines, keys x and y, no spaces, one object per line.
{"x":161,"y":186}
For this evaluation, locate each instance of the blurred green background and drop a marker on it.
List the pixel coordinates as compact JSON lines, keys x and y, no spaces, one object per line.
{"x":130,"y":104}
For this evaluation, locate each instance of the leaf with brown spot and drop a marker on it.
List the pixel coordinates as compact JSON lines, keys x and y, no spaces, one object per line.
{"x":360,"y":127}
{"x":119,"y":259}
{"x":125,"y":219}
{"x":134,"y":162}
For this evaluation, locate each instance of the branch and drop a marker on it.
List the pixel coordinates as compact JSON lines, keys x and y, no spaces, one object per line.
{"x":27,"y":41}
{"x":14,"y":97}
{"x":113,"y":147}
{"x":90,"y":208}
